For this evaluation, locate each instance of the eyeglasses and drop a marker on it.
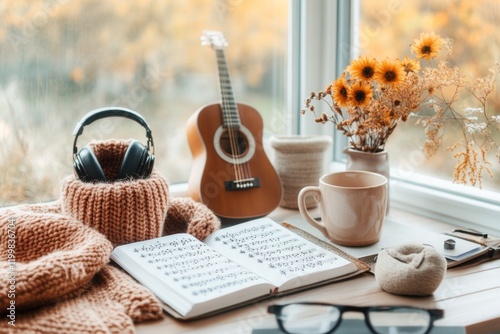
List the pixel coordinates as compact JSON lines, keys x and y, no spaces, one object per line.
{"x":320,"y":318}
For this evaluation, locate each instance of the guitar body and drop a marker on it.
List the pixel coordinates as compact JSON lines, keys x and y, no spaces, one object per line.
{"x":234,"y":184}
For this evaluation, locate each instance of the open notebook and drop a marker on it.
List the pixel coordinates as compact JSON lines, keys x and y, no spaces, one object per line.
{"x":396,"y":233}
{"x":232,"y":267}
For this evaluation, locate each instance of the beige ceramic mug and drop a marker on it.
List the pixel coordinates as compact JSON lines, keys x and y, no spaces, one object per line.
{"x":352,"y":206}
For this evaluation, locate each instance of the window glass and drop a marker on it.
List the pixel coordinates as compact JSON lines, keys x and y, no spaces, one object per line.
{"x":387,"y":29}
{"x":61,"y":59}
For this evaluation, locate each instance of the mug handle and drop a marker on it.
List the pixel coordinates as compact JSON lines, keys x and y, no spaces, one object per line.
{"x":310,"y":191}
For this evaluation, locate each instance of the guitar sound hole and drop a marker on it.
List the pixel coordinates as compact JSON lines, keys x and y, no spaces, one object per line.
{"x":233,"y":143}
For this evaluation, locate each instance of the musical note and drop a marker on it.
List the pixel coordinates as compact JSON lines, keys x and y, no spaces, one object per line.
{"x":266,"y":253}
{"x":272,"y":247}
{"x":194,"y":267}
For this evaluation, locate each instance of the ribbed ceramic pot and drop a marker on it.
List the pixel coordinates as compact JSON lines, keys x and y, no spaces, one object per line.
{"x":376,"y":162}
{"x":299,"y":161}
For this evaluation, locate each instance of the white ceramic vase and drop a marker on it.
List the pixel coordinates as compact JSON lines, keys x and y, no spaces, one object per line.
{"x":376,"y":162}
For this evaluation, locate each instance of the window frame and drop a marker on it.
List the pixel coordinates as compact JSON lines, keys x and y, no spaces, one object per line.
{"x":315,"y":59}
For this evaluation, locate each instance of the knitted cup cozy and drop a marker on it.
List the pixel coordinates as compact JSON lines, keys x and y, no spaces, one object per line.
{"x":124,"y":211}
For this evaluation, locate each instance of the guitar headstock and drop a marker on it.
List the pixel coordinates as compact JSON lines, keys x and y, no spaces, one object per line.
{"x":215,"y":39}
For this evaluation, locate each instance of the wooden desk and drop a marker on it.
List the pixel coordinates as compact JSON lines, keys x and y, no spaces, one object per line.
{"x":470,"y":297}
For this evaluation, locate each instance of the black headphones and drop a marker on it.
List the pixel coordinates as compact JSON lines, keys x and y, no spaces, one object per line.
{"x":137,"y":162}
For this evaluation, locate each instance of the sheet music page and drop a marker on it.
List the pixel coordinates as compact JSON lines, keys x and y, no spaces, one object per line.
{"x":188,"y":267}
{"x":274,"y":252}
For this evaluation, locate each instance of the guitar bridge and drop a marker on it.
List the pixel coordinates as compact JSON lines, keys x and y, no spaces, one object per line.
{"x":242,"y":184}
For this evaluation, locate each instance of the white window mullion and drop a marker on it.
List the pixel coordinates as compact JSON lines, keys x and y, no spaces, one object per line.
{"x":346,"y":27}
{"x":318,"y":41}
{"x":294,"y":101}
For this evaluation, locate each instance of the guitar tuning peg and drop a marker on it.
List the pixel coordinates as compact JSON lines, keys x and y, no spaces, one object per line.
{"x":213,"y":38}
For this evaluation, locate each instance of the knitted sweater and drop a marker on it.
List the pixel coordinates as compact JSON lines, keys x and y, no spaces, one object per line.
{"x":58,"y":278}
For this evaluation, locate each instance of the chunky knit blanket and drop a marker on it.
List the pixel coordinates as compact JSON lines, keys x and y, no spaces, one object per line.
{"x":55,"y":275}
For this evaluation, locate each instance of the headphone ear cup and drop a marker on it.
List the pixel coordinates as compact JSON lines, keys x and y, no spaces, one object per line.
{"x":148,"y":167}
{"x":134,"y":161}
{"x":87,"y":166}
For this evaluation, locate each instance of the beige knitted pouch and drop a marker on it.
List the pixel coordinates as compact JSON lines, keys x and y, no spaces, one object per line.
{"x":410,"y":269}
{"x":124,"y":211}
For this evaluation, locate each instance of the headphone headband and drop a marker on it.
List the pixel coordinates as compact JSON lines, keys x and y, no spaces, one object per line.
{"x":97,"y":114}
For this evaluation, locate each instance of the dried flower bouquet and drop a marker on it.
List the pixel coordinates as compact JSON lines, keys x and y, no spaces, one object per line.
{"x":372,"y":97}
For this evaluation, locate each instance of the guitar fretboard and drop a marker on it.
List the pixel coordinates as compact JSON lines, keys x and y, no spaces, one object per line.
{"x":230,"y":116}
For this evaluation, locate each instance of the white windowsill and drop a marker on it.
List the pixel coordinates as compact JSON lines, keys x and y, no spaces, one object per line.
{"x":451,"y":203}
{"x":444,"y":201}
{"x":432,"y":198}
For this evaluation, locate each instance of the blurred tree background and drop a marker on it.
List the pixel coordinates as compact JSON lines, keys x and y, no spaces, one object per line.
{"x":60,"y":59}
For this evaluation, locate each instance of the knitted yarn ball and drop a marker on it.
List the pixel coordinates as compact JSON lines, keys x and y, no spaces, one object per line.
{"x":412,"y":269}
{"x":124,"y":211}
{"x":46,"y":256}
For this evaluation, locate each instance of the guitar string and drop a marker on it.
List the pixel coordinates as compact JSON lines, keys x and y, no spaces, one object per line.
{"x":228,"y":116}
{"x":244,"y":167}
{"x":244,"y":171}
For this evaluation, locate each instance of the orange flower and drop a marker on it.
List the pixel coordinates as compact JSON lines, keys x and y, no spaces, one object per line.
{"x":340,"y":92}
{"x":360,"y":94}
{"x":390,"y":72}
{"x":427,"y":46}
{"x":363,"y":68}
{"x":410,"y":65}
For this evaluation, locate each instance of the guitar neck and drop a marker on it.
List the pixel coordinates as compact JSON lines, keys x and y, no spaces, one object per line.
{"x":230,"y":116}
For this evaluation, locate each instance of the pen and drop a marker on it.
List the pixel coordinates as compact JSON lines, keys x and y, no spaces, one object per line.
{"x":478,"y":234}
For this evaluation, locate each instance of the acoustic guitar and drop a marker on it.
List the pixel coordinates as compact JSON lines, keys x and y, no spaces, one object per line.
{"x":231,"y":172}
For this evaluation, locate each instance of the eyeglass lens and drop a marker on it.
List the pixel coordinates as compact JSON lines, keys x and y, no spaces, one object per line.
{"x":308,"y":319}
{"x":399,"y":320}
